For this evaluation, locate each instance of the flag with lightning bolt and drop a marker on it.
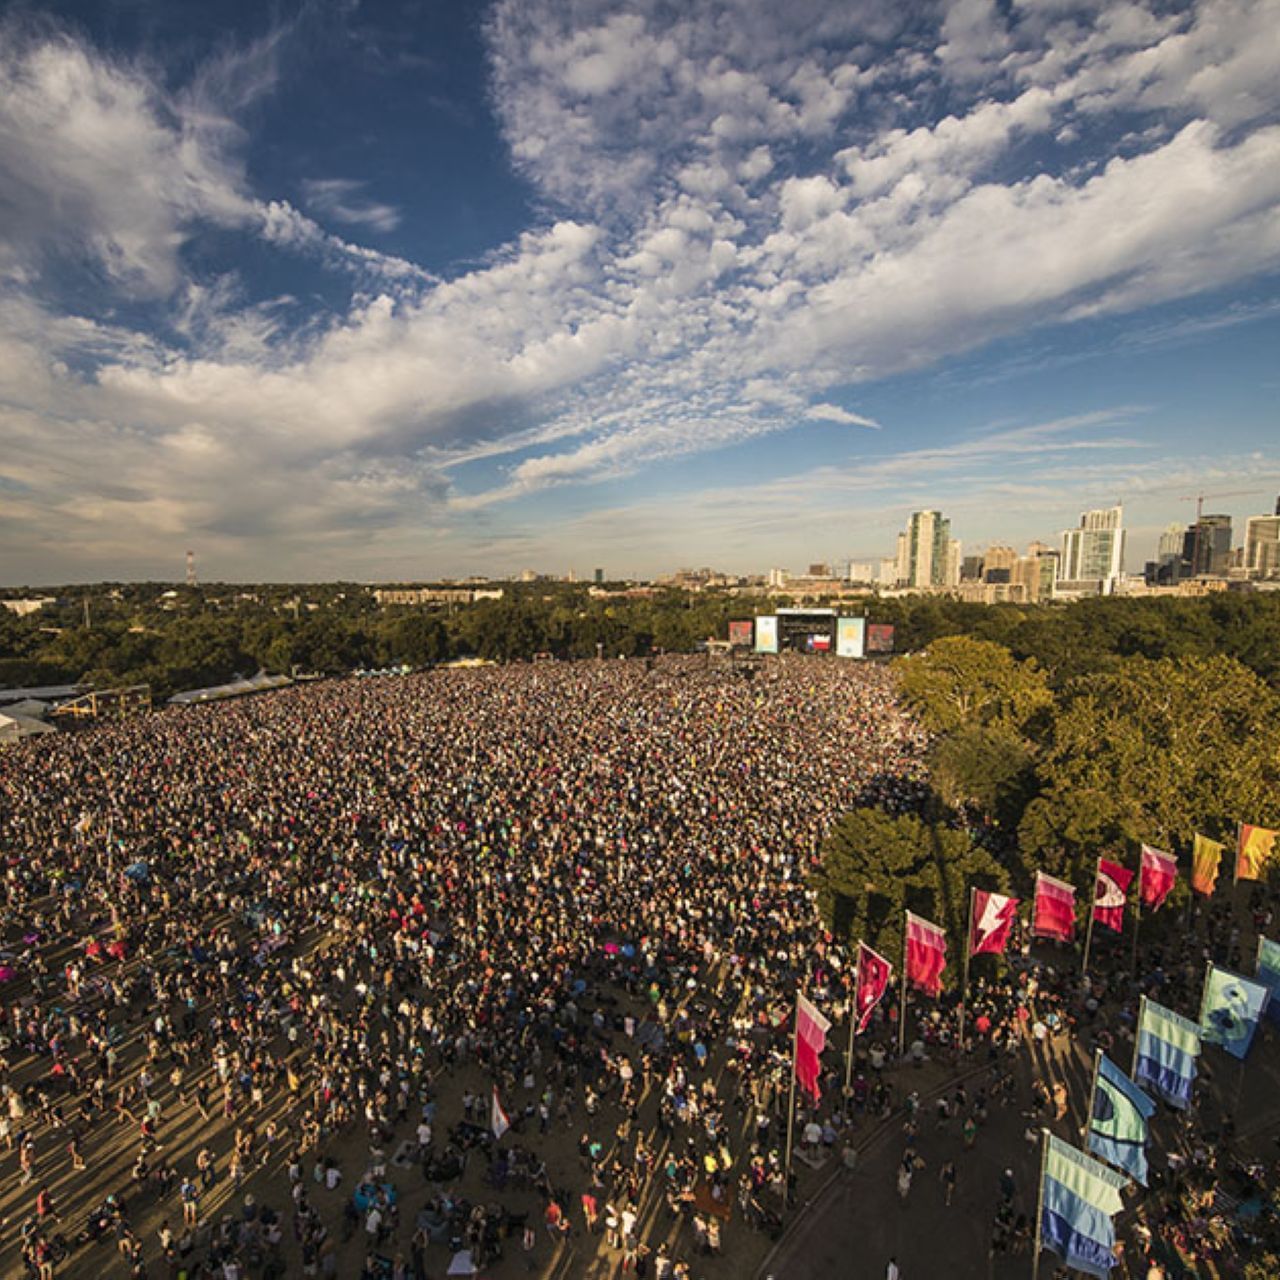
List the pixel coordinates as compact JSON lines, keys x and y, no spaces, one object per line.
{"x":993,"y":917}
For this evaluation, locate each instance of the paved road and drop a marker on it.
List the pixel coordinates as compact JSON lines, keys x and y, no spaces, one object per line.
{"x":855,"y":1227}
{"x":861,"y":1223}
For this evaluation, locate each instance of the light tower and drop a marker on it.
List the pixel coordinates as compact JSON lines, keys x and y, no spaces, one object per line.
{"x":191,"y":568}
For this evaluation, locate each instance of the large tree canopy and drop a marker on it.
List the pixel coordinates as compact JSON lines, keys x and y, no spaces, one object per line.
{"x":1154,"y":751}
{"x":875,"y":865}
{"x":961,"y":681}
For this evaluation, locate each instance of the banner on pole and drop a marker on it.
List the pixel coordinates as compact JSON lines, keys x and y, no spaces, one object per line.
{"x":1118,"y":1120}
{"x":1206,"y":855}
{"x":873,"y":982}
{"x":926,"y":954}
{"x":1255,"y":847}
{"x":993,"y":917}
{"x":1081,"y":1196}
{"x":811,"y":1039}
{"x":1055,"y":908}
{"x":1110,"y":891}
{"x":1230,"y":1010}
{"x":1159,"y":874}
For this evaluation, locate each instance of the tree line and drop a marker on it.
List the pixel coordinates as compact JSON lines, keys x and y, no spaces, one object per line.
{"x":201,"y":635}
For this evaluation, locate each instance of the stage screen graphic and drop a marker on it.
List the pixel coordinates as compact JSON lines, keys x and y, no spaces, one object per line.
{"x":850,"y":634}
{"x":767,"y":634}
{"x":880,"y":638}
{"x":740,"y":634}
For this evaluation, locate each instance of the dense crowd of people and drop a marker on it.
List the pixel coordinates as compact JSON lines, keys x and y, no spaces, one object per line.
{"x":265,"y":964}
{"x":302,"y":921}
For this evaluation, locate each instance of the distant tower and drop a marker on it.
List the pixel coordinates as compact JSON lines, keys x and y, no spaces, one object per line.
{"x":191,"y":568}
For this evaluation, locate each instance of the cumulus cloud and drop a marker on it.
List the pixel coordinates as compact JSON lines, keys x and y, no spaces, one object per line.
{"x":745,"y":209}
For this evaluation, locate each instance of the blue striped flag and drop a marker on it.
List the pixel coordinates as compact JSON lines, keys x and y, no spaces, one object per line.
{"x":1081,"y":1196}
{"x":1168,"y":1046}
{"x":1118,"y":1123}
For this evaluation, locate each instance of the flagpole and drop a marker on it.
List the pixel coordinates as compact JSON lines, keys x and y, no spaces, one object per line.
{"x":1204,"y":995}
{"x":1093,"y":910}
{"x":1044,"y":1160}
{"x":1137,"y":922}
{"x":791,"y":1105}
{"x":964,"y":985}
{"x":1137,"y":1035}
{"x":1093,"y":1089}
{"x":902,"y":1003}
{"x":853,"y":1024}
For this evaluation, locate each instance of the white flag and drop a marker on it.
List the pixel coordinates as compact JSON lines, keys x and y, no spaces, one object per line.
{"x":498,"y":1121}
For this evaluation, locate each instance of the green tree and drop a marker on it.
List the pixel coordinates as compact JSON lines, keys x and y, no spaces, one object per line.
{"x":991,"y":769}
{"x":961,"y":681}
{"x":1154,"y":751}
{"x":875,"y":865}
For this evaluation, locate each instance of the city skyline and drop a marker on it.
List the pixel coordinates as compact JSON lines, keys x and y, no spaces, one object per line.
{"x":390,"y":292}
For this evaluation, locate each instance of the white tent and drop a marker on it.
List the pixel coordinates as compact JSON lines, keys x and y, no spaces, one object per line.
{"x":14,"y":727}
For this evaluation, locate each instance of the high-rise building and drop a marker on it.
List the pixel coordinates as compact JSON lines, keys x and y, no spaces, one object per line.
{"x":927,"y":555}
{"x":998,"y":563}
{"x":1093,"y":553}
{"x":1167,"y":569}
{"x":1036,"y":572}
{"x":599,"y":576}
{"x":1170,"y":542}
{"x":955,"y":558}
{"x":1262,"y":545}
{"x":1206,"y":546}
{"x":971,"y":569}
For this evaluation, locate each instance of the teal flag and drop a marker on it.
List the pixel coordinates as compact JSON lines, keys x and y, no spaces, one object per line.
{"x":1118,"y":1123}
{"x":1230,"y":1010}
{"x":1268,"y":974}
{"x":1080,"y":1198}
{"x":1168,"y":1046}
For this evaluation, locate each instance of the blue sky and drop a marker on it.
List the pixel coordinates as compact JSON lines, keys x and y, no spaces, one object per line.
{"x":410,"y":289}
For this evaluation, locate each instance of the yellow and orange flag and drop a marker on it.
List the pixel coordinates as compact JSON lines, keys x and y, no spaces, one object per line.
{"x":1255,"y":848}
{"x":1206,"y":855}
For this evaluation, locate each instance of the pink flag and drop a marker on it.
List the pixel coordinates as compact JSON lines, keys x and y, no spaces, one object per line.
{"x":811,"y":1039}
{"x":1159,"y":874}
{"x":1055,"y":909}
{"x":498,"y":1120}
{"x":993,"y":917}
{"x":926,"y":954}
{"x":873,"y":981}
{"x":1110,"y":891}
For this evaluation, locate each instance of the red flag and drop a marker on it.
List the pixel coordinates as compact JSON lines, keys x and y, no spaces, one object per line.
{"x":873,"y":981}
{"x":811,"y":1039}
{"x":993,"y":917}
{"x":926,"y":954}
{"x":1055,"y":909}
{"x":1159,"y":872}
{"x":1110,"y":890}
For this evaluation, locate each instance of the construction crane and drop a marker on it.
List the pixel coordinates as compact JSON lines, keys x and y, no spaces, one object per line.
{"x":1198,"y":499}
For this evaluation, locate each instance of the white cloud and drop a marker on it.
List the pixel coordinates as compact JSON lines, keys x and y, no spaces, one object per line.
{"x":834,"y":413}
{"x":340,"y":198}
{"x":748,"y":207}
{"x":95,"y":161}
